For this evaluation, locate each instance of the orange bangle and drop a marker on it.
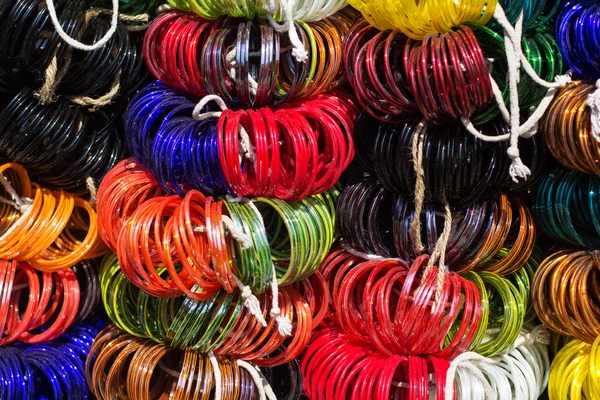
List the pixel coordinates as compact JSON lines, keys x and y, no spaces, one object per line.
{"x":567,"y":129}
{"x":43,"y":232}
{"x":557,"y":289}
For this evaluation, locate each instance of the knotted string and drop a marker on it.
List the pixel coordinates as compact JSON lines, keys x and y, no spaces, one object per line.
{"x":288,"y":6}
{"x":516,"y":59}
{"x":245,"y":143}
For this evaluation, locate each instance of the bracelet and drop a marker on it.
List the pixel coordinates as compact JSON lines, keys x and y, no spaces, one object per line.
{"x":576,"y":38}
{"x":573,"y":371}
{"x":47,"y":225}
{"x":417,"y":20}
{"x":565,"y":208}
{"x":60,"y":145}
{"x":568,"y":131}
{"x":290,"y":170}
{"x":334,"y":364}
{"x":559,"y":278}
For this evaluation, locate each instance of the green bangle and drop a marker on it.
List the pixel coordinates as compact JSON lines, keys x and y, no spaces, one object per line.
{"x":197,"y":321}
{"x":300,"y":233}
{"x":254,"y":263}
{"x":506,"y":315}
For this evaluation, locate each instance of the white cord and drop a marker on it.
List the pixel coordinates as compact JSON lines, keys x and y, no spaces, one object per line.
{"x":266,"y":385}
{"x":245,"y":144}
{"x":516,"y":59}
{"x":237,"y":232}
{"x":364,"y":256}
{"x":258,"y":383}
{"x":218,"y":377}
{"x":76,"y":44}
{"x":232,"y":63}
{"x":284,"y":325}
{"x":593,"y":101}
{"x":288,"y":6}
{"x":250,"y":301}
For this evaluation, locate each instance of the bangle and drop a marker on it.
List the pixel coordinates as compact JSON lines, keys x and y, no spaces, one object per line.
{"x":576,"y":37}
{"x":363,"y":307}
{"x":502,"y":329}
{"x":417,"y":20}
{"x":45,"y":230}
{"x":559,"y":277}
{"x":291,"y":170}
{"x":568,"y":131}
{"x":565,"y":208}
{"x":59,"y":144}
{"x":313,"y":10}
{"x":333,"y":364}
{"x":573,"y":371}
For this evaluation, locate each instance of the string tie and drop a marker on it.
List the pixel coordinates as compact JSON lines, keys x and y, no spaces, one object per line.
{"x":298,"y":50}
{"x":245,"y":145}
{"x":593,"y":102}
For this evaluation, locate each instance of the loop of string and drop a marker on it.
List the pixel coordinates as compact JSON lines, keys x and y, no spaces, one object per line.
{"x":593,"y":101}
{"x":266,"y":385}
{"x":46,"y":94}
{"x":230,"y":59}
{"x":298,"y":50}
{"x":516,"y":59}
{"x":245,"y":144}
{"x":77,"y":44}
{"x":250,"y":301}
{"x":439,"y":252}
{"x":16,"y":201}
{"x":255,"y":377}
{"x":365,"y":256}
{"x":284,"y":325}
{"x":218,"y":377}
{"x":260,"y":382}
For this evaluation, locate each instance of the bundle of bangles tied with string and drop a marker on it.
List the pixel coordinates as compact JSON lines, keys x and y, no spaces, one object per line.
{"x":316,"y":199}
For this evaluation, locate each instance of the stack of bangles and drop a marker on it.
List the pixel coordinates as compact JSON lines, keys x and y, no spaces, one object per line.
{"x":337,"y":367}
{"x":458,"y":168}
{"x":566,"y":207}
{"x":497,"y":306}
{"x":496,"y":233}
{"x":126,"y":367}
{"x":53,"y":370}
{"x":309,"y":10}
{"x":570,"y":126}
{"x":395,"y":76}
{"x":39,"y":306}
{"x":574,"y":371}
{"x":291,"y":152}
{"x":220,"y":324}
{"x":245,"y":63}
{"x":50,"y":230}
{"x":200,"y":244}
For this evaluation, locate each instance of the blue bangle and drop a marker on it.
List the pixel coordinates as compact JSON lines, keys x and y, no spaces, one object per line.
{"x":578,"y":37}
{"x":181,"y":153}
